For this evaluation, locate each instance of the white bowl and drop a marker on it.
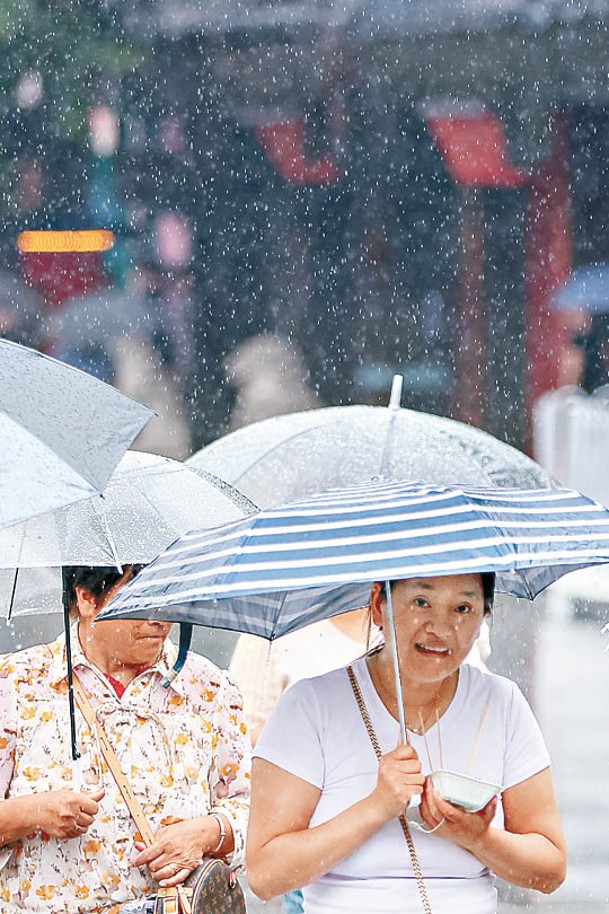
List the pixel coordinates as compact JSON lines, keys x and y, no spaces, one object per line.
{"x":471,"y":794}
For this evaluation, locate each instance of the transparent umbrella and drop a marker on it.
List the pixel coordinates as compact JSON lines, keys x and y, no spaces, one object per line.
{"x":62,"y":433}
{"x":147,"y":504}
{"x":296,"y":455}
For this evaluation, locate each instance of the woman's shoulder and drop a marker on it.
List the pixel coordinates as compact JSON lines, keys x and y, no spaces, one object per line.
{"x":199,"y":665}
{"x":323,"y":683}
{"x":29,"y":664}
{"x":318,"y":697}
{"x":203,"y":678}
{"x":296,"y":735}
{"x":484,"y":682}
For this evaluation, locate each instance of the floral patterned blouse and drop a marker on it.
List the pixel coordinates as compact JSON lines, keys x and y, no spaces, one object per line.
{"x":185,"y":750}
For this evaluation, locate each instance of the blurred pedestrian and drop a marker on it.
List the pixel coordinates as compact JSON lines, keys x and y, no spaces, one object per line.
{"x":270,"y":378}
{"x":596,"y":353}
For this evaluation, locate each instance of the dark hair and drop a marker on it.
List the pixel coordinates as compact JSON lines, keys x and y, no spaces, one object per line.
{"x":488,"y":590}
{"x":97,"y":579}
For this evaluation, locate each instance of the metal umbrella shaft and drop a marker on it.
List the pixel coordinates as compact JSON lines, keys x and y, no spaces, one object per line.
{"x":71,"y":704}
{"x":393,"y":644}
{"x":394,"y":406}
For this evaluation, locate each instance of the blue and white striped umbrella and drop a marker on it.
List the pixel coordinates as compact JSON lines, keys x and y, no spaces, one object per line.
{"x":286,"y":567}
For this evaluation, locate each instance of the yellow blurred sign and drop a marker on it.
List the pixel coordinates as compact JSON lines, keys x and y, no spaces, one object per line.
{"x":65,"y":242}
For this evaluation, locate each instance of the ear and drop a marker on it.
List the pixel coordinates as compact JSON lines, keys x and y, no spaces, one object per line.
{"x":376,"y":605}
{"x":86,"y":602}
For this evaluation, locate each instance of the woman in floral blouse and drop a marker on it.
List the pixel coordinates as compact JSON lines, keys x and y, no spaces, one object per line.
{"x":184,"y":749}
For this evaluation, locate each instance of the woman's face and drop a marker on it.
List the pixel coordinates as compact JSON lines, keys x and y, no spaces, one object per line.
{"x":133,"y":643}
{"x":437,"y":621}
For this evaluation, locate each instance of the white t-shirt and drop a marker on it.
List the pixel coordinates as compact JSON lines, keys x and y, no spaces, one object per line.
{"x":316,"y":733}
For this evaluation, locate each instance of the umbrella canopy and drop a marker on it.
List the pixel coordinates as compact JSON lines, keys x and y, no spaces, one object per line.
{"x":62,"y":433}
{"x":587,"y":289}
{"x":149,"y":501}
{"x":293,"y":456}
{"x":286,"y":567}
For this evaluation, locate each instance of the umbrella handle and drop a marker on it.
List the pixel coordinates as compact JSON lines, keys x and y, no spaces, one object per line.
{"x":395,"y":397}
{"x":76,"y":774}
{"x":185,"y":639}
{"x":399,"y":694}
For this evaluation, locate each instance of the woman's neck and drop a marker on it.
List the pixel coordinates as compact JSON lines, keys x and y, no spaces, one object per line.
{"x":424,"y":702}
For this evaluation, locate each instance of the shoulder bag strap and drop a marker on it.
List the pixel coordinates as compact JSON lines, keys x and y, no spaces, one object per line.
{"x":173,"y":899}
{"x":416,"y":866}
{"x":133,"y":804}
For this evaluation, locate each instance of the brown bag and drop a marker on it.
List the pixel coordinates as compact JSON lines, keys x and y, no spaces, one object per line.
{"x":216,"y":890}
{"x":213,"y":888}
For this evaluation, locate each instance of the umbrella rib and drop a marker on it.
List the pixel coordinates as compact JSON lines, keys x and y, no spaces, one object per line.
{"x":12,"y":600}
{"x":104,"y":522}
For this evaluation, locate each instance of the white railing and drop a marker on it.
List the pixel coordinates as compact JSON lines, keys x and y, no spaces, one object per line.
{"x":571,"y":439}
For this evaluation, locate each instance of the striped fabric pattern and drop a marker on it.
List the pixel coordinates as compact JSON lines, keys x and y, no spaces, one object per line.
{"x":288,"y":566}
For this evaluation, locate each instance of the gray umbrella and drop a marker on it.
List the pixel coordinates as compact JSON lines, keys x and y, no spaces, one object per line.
{"x":102,"y":315}
{"x":148,"y":502}
{"x":587,"y":289}
{"x":293,"y":456}
{"x":62,"y":433}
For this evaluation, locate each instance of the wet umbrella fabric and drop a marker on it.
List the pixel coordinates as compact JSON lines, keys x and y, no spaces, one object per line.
{"x":293,"y":456}
{"x":587,"y":289}
{"x":99,"y":316}
{"x":286,"y":567}
{"x":148,"y":502}
{"x":62,"y":433}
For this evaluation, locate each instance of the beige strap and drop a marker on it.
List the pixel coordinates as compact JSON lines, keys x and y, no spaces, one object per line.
{"x":133,"y":804}
{"x":416,"y":866}
{"x":169,"y":900}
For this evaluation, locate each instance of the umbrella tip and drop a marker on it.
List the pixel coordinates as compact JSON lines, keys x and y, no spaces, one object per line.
{"x":395,"y":398}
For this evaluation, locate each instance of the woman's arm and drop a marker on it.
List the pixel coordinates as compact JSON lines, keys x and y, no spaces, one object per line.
{"x":529,"y":852}
{"x":230,"y":773}
{"x":283,"y":853}
{"x":179,"y":845}
{"x":59,"y":813}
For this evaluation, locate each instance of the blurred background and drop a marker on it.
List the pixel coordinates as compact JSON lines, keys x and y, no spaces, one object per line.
{"x":378,"y":185}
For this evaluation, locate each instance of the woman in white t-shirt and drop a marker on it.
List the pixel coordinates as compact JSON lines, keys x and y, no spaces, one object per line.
{"x":325,"y":813}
